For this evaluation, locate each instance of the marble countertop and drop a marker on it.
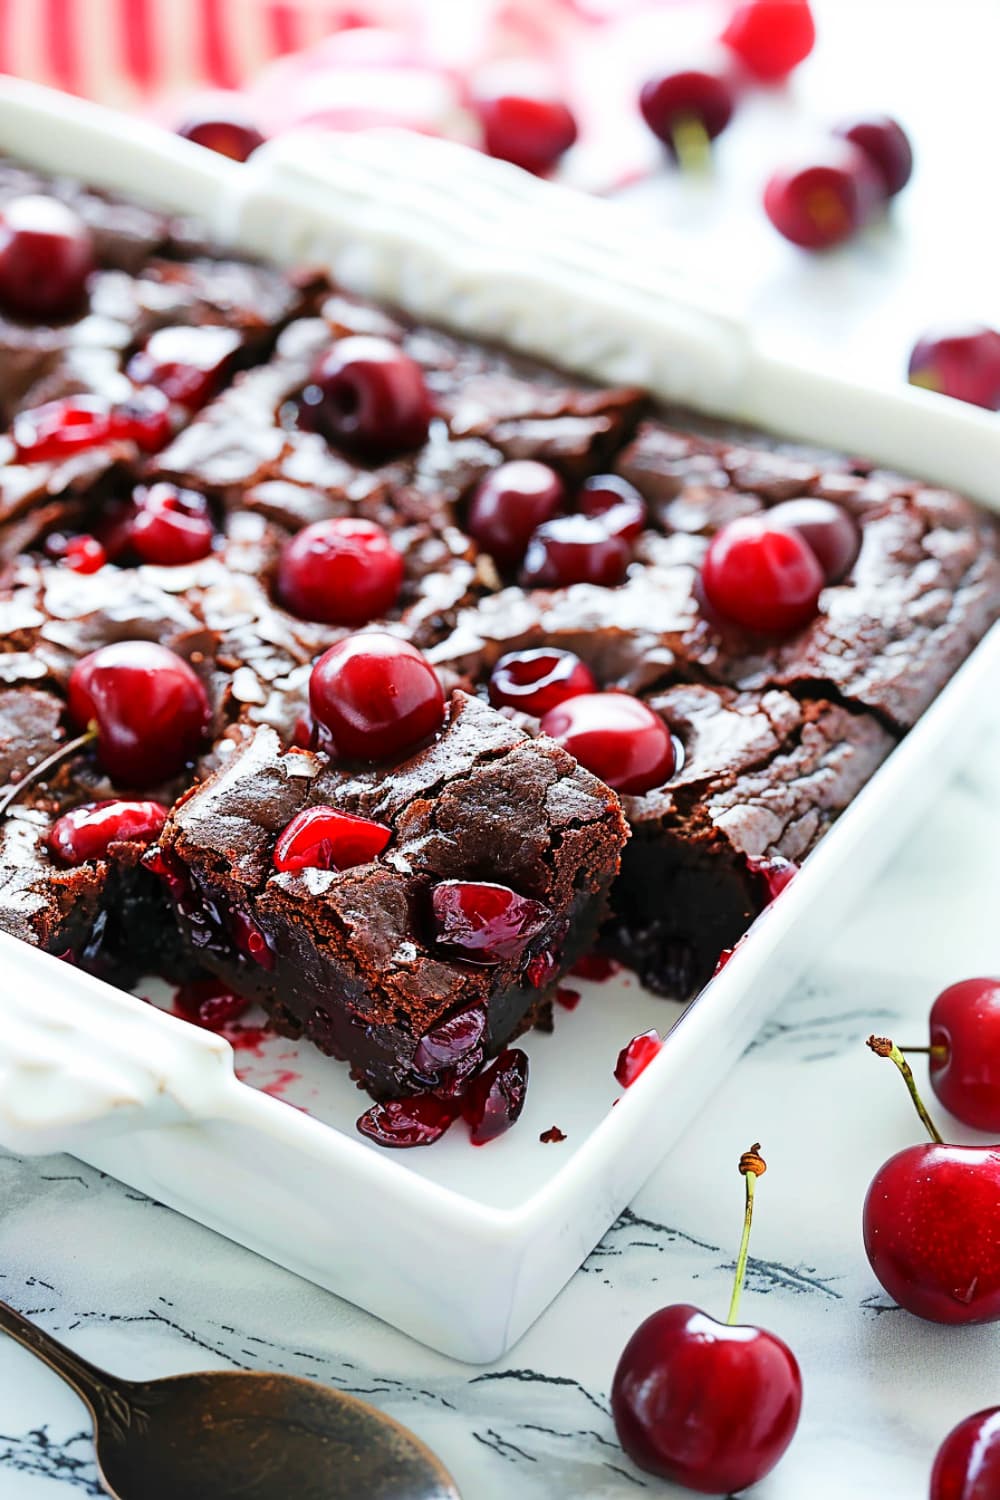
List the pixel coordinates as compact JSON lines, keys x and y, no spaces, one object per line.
{"x":146,"y":1292}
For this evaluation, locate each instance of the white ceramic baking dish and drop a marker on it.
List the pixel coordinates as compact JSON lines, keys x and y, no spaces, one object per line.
{"x":461,"y":1248}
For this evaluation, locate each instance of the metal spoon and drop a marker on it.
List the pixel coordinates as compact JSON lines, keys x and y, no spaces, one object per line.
{"x":226,"y":1435}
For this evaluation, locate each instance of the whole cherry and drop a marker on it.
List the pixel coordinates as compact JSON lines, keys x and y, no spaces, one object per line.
{"x":46,"y":255}
{"x":620,"y":506}
{"x":964,"y":1052}
{"x":377,"y":695}
{"x":709,"y":1405}
{"x":930,"y":1221}
{"x":967,"y":1466}
{"x":524,"y":119}
{"x":221,"y":123}
{"x":144,"y":706}
{"x":170,"y":526}
{"x":576,"y":549}
{"x":833,"y":535}
{"x":617,"y":737}
{"x":887,"y":146}
{"x":367,"y":394}
{"x":535,"y":681}
{"x":509,"y":504}
{"x":686,"y":109}
{"x":825,"y":197}
{"x":344,"y":571}
{"x":771,"y":37}
{"x":762,"y":576}
{"x":188,"y":363}
{"x":962,"y":362}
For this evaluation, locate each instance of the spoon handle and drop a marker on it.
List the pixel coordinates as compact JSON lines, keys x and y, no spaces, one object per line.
{"x":98,"y":1390}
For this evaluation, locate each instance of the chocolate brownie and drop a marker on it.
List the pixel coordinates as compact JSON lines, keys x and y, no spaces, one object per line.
{"x":212,"y":379}
{"x":352,"y":958}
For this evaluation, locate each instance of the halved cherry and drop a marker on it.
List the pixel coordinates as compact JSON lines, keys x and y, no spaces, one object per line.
{"x":535,"y":681}
{"x":487,"y":923}
{"x":324,"y":838}
{"x":89,"y":831}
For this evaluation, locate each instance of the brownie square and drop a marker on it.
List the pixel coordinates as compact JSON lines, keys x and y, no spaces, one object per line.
{"x":351,"y":959}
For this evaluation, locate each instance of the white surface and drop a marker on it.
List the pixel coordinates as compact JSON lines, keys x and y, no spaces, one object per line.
{"x":881,"y":1389}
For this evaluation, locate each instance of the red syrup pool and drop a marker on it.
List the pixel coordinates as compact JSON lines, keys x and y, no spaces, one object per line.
{"x":595,"y":967}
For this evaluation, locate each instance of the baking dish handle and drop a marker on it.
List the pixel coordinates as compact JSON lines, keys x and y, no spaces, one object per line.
{"x":80,"y":1060}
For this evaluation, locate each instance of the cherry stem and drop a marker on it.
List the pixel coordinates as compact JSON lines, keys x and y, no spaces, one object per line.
{"x":882,"y":1046}
{"x":37,"y":773}
{"x":692,"y":144}
{"x":938,"y":1051}
{"x":752,"y":1166}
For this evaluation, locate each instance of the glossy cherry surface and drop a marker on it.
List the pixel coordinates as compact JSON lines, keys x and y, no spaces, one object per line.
{"x":826,"y":197}
{"x":60,"y":429}
{"x":965,"y":1052}
{"x":344,"y":571}
{"x":84,"y":554}
{"x":575,"y":549}
{"x":451,"y":1040}
{"x":672,"y":101}
{"x":170,"y":526}
{"x":705,"y":1404}
{"x":221,"y":124}
{"x":493,"y":1101}
{"x":833,"y":535}
{"x":636,"y":1056}
{"x":377,"y":695}
{"x":188,"y":363}
{"x":89,"y":831}
{"x":761,"y":576}
{"x":46,"y":255}
{"x":509,"y":504}
{"x":963,"y":362}
{"x":617,"y":737}
{"x":150,"y":709}
{"x":404,"y":1123}
{"x":367,"y":394}
{"x":967,"y":1466}
{"x":536,"y":681}
{"x":523,"y":118}
{"x":485,"y":922}
{"x":771,"y":37}
{"x":887,"y":146}
{"x":930,"y":1220}
{"x":620,"y":506}
{"x":210,"y":1003}
{"x":324,"y":838}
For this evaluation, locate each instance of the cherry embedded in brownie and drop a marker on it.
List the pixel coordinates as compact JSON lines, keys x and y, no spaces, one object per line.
{"x":491,"y":882}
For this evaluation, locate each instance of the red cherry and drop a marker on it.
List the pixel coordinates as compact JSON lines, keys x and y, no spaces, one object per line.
{"x":251,"y":939}
{"x":377,"y":696}
{"x":887,"y":146}
{"x":88,"y":832}
{"x":771,"y":37}
{"x":368,"y":395}
{"x":522,"y":117}
{"x":46,"y":255}
{"x":84,"y":554}
{"x":451,"y":1040}
{"x":636,"y":1057}
{"x":930,"y":1219}
{"x":143,"y":419}
{"x":341,"y":572}
{"x":150,"y":709}
{"x":494,"y":1100}
{"x":221,"y":124}
{"x":488,"y":924}
{"x":187,"y":363}
{"x":170,"y":526}
{"x":509,"y":504}
{"x":711,"y":1406}
{"x":762,"y":577}
{"x":964,"y":363}
{"x":705,"y":1405}
{"x":617,"y":737}
{"x":965,"y":1052}
{"x":671,"y":103}
{"x":58,"y":429}
{"x":967,"y":1466}
{"x":832,"y":534}
{"x":535,"y":681}
{"x":402,"y":1123}
{"x":575,"y":549}
{"x":825,"y":198}
{"x":775,"y":873}
{"x":322,"y":838}
{"x":210,"y":1003}
{"x":620,"y":506}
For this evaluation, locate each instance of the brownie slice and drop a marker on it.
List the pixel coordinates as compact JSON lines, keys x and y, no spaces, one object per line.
{"x":760,"y":779}
{"x":351,"y":958}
